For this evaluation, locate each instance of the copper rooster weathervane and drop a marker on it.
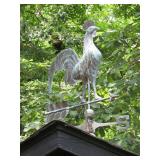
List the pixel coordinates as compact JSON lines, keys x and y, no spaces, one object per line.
{"x":84,"y":69}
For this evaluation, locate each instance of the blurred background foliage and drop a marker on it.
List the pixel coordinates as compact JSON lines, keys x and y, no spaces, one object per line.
{"x":47,"y":29}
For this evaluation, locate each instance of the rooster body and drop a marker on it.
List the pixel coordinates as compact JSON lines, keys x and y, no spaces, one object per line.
{"x":84,"y":69}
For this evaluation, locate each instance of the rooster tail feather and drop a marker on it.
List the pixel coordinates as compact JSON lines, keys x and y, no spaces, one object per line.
{"x":66,"y":60}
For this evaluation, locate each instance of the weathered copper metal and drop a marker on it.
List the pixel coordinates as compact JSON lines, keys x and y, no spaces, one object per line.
{"x":84,"y":69}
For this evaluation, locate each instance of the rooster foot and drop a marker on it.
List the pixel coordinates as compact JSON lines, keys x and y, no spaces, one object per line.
{"x":97,"y":97}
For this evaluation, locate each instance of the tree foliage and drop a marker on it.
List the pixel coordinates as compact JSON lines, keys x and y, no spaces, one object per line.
{"x":46,"y":29}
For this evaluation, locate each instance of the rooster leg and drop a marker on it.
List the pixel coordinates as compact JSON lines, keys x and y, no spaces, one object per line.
{"x":88,"y":94}
{"x":83,"y":93}
{"x":94,"y":88}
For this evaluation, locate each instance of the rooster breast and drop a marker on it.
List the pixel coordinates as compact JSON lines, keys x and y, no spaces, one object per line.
{"x":88,"y":65}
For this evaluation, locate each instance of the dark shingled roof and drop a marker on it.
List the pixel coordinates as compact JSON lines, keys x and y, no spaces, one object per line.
{"x":59,"y":138}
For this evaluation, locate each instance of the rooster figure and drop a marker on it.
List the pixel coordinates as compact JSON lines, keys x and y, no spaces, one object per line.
{"x":84,"y":69}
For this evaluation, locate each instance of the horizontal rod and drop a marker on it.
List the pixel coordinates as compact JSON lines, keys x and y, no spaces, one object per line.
{"x":78,"y":105}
